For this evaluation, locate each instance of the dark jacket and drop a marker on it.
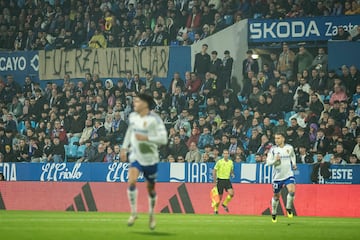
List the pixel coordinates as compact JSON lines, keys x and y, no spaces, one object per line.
{"x":202,"y":62}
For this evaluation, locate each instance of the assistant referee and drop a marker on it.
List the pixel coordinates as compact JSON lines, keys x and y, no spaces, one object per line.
{"x":223,"y":170}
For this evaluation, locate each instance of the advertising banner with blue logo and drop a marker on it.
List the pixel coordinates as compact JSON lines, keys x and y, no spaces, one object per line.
{"x":299,"y":29}
{"x":19,"y":64}
{"x":167,"y":172}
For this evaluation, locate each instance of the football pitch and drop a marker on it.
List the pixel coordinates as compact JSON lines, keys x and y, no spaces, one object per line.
{"x":107,"y":226}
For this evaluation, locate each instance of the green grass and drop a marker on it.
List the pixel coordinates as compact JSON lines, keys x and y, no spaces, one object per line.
{"x":105,"y":226}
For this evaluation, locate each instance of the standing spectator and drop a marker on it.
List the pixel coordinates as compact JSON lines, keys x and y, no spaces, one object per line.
{"x":321,"y":60}
{"x":194,"y":19}
{"x":215,"y":63}
{"x":227,"y":65}
{"x":202,"y":61}
{"x":303,"y":60}
{"x":250,"y":64}
{"x":286,"y":61}
{"x":193,"y":155}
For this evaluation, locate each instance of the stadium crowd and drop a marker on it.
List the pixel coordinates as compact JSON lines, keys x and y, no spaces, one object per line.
{"x":85,"y":121}
{"x":66,"y":24}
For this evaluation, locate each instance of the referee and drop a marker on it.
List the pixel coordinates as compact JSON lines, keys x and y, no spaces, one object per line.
{"x":224,"y":168}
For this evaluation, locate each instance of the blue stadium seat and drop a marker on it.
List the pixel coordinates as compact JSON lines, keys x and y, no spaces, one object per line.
{"x":72,"y":151}
{"x":191,"y":35}
{"x":21,"y":126}
{"x":327,"y":157}
{"x":251,"y":158}
{"x":288,"y":115}
{"x":315,"y":158}
{"x":80,"y":151}
{"x":73,"y":140}
{"x":229,"y":19}
{"x":174,"y":43}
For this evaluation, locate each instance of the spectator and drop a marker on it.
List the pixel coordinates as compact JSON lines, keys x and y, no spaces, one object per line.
{"x":58,"y":154}
{"x":194,"y":138}
{"x":338,"y":95}
{"x":353,"y":159}
{"x":202,"y":61}
{"x":59,"y":132}
{"x":341,"y":34}
{"x":250,"y":64}
{"x":98,"y":40}
{"x":286,"y":61}
{"x":227,"y":65}
{"x":215,"y":63}
{"x":321,"y":60}
{"x":303,"y":155}
{"x":194,"y":19}
{"x":205,"y":138}
{"x":178,"y":149}
{"x":303,"y":60}
{"x":101,"y":153}
{"x":176,"y":82}
{"x":193,"y":84}
{"x":193,"y":155}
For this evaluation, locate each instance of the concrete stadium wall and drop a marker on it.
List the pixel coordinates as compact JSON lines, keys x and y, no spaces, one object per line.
{"x":250,"y":199}
{"x":234,"y":39}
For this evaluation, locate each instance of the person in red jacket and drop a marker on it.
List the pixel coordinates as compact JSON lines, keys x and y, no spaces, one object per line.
{"x":193,"y":21}
{"x":59,"y":132}
{"x":193,"y":84}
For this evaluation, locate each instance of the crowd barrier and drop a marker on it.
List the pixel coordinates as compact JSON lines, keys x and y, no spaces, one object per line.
{"x":187,"y":198}
{"x":167,"y":172}
{"x":299,"y":29}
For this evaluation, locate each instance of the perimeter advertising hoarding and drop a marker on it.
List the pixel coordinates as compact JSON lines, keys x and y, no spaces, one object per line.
{"x":189,"y":198}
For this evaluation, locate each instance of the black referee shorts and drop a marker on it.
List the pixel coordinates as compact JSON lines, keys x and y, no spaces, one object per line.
{"x":223,"y":184}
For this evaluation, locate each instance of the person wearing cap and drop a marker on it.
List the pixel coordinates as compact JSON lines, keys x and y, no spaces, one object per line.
{"x":250,"y":64}
{"x":227,"y":65}
{"x":146,"y":132}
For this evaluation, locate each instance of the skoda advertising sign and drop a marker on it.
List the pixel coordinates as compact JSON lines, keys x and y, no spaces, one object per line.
{"x":300,"y":29}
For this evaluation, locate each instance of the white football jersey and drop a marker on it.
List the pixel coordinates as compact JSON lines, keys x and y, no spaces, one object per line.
{"x":145,"y":152}
{"x":283,"y":170}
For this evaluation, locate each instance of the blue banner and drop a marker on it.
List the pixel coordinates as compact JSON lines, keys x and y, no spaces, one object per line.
{"x":167,"y":172}
{"x":20,"y":64}
{"x":299,"y":29}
